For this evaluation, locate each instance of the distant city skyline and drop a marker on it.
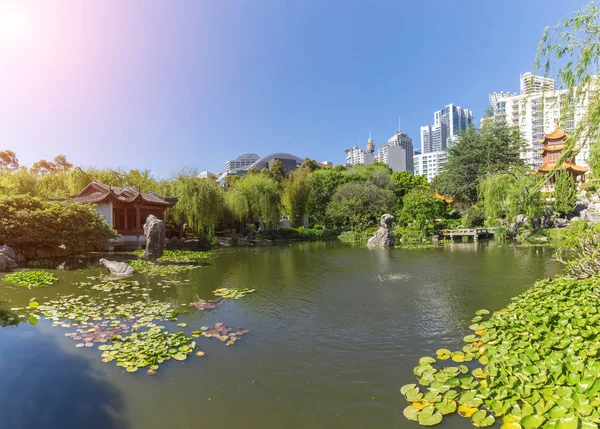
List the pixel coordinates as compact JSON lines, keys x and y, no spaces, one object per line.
{"x":97,"y":82}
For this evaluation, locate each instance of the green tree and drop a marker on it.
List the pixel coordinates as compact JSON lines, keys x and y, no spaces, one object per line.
{"x":511,"y":194}
{"x":8,"y":160}
{"x":277,"y":170}
{"x":323,"y":184}
{"x":256,"y":196}
{"x":420,"y":207}
{"x":200,"y":205}
{"x":356,"y":204}
{"x":573,"y":46}
{"x":296,"y":193}
{"x":310,"y":165}
{"x":30,"y":223}
{"x":495,"y":148}
{"x":404,"y":181}
{"x":565,"y":194}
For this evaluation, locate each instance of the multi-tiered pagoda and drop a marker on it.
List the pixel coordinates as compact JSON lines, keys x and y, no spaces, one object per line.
{"x":554,"y":143}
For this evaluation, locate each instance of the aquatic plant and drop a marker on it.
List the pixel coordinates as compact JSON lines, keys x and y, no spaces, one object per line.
{"x":147,"y":348}
{"x":539,"y":364}
{"x":222,"y":333}
{"x":182,"y":256}
{"x":201,"y":304}
{"x":158,"y":269}
{"x":501,"y":234}
{"x":232,"y":293}
{"x":31,"y":279}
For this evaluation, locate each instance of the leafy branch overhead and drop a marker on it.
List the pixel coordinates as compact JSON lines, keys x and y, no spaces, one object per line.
{"x":571,"y":51}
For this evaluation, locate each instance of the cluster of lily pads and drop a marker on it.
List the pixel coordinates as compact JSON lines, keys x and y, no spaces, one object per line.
{"x":159,"y":269}
{"x":232,"y":293}
{"x":222,"y":333}
{"x":32,"y":279}
{"x":202,"y":304}
{"x":538,"y":364}
{"x":147,"y":348}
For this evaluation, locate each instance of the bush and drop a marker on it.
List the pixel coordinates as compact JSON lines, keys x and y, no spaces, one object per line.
{"x":233,"y":241}
{"x":357,"y":236}
{"x":501,"y":233}
{"x":588,"y":187}
{"x":475,"y":217}
{"x":412,"y":234}
{"x":207,"y":241}
{"x":311,"y":234}
{"x":31,"y":223}
{"x":565,"y":194}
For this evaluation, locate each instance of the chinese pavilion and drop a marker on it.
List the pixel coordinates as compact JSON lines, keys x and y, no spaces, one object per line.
{"x":446,"y":200}
{"x":125,"y":209}
{"x":554,"y":143}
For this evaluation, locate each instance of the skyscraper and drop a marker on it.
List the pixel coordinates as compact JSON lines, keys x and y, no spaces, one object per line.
{"x":537,"y":110}
{"x":455,"y":117}
{"x":358,"y":156}
{"x":434,"y":137}
{"x":398,"y":152}
{"x":447,"y":124}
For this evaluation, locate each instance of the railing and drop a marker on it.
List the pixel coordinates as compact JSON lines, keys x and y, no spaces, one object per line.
{"x":467,"y":232}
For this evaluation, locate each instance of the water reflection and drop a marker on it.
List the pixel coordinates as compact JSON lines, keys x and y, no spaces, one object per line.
{"x":334,"y":332}
{"x":45,"y":387}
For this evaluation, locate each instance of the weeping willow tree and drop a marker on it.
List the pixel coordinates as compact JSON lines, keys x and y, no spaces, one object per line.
{"x":571,"y":51}
{"x":296,"y":192}
{"x":200,"y":205}
{"x":505,"y":196}
{"x":255,"y":196}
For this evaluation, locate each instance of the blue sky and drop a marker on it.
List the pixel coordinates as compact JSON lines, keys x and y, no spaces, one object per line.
{"x":163,"y":85}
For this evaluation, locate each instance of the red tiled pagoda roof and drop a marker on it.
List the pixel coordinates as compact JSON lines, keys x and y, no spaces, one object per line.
{"x":97,"y":192}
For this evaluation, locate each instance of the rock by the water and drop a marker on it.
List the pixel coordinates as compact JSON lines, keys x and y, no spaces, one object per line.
{"x":5,"y":250}
{"x":384,"y":236}
{"x":8,"y":258}
{"x":154,"y":229}
{"x":6,"y":263}
{"x":117,"y":268}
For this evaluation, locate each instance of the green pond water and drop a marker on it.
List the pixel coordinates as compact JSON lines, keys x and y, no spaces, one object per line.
{"x":335,"y":331}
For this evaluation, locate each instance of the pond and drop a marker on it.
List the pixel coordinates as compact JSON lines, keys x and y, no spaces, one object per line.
{"x":334,"y":332}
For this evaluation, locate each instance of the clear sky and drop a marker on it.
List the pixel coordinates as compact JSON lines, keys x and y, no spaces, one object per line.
{"x":168,"y":84}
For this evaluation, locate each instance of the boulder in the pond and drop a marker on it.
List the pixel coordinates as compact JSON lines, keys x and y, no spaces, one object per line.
{"x":384,"y":237}
{"x":6,"y":263}
{"x":154,"y":230}
{"x":5,"y":250}
{"x":117,"y":268}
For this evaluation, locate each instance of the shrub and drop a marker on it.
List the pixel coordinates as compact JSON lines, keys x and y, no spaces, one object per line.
{"x":475,"y":217}
{"x":233,"y":241}
{"x":357,"y":236}
{"x":30,"y":223}
{"x":588,"y":187}
{"x":311,"y":234}
{"x":501,"y":233}
{"x":580,"y":250}
{"x":565,"y":194}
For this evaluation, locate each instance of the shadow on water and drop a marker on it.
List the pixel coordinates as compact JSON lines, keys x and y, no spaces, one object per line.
{"x":43,"y":386}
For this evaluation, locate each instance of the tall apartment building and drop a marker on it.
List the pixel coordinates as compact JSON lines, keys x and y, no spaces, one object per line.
{"x":398,"y":153}
{"x":455,"y":117}
{"x":536,"y":110}
{"x":430,"y":164}
{"x":434,"y":137}
{"x":447,"y":124}
{"x":241,"y":162}
{"x":356,"y":156}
